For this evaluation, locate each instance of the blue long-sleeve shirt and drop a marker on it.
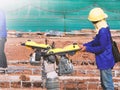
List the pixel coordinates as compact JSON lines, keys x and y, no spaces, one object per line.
{"x":102,"y":48}
{"x":3,"y":31}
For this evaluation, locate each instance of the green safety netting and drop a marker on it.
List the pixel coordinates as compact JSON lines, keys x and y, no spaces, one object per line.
{"x":60,"y":15}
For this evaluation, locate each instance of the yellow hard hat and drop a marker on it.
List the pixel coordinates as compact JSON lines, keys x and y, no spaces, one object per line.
{"x":97,"y":14}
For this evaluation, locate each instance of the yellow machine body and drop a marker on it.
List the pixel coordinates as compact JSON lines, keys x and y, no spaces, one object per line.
{"x":67,"y":49}
{"x":36,"y":45}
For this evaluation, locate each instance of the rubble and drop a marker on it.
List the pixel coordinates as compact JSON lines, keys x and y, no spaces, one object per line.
{"x":85,"y":76}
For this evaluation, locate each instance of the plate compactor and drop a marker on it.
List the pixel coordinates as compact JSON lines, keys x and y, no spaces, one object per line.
{"x":54,"y":61}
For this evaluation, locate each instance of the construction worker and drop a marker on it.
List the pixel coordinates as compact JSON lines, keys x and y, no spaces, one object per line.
{"x":3,"y":35}
{"x":101,"y":46}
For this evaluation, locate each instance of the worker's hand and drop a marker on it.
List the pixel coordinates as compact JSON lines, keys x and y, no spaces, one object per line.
{"x":83,"y":48}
